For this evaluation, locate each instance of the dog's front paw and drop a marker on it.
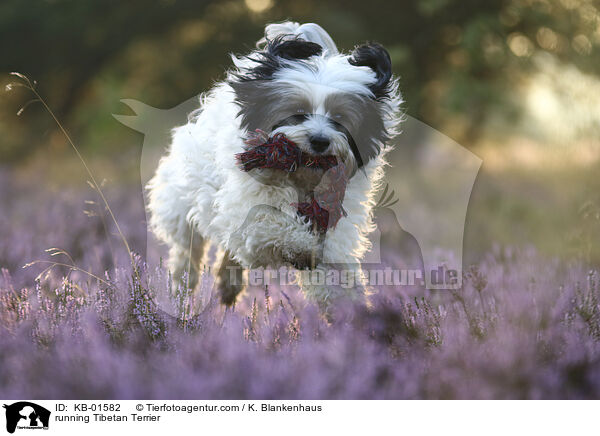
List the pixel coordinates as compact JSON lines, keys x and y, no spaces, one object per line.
{"x":303,"y":259}
{"x":299,"y":260}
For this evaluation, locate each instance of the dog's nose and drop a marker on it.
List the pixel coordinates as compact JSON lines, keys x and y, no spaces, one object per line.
{"x":319,"y":143}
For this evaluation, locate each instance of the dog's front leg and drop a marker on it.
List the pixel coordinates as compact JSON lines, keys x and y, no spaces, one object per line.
{"x":269,"y":236}
{"x":184,"y":259}
{"x":339,"y":271}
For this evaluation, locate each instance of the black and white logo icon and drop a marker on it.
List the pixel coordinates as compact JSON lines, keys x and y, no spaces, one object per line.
{"x":26,"y":415}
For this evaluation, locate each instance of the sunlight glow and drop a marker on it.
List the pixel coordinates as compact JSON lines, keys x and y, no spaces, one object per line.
{"x":258,"y":5}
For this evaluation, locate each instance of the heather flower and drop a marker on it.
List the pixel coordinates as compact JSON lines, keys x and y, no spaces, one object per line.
{"x":521,"y":326}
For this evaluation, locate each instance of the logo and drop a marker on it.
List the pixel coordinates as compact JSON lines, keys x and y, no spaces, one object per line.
{"x":26,"y":415}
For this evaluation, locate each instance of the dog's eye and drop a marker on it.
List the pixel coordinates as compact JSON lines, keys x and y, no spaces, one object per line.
{"x":300,"y":110}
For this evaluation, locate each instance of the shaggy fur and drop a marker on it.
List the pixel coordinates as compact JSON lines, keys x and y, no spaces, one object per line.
{"x":298,"y":84}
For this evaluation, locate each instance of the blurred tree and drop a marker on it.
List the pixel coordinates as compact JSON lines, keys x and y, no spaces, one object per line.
{"x":458,"y":60}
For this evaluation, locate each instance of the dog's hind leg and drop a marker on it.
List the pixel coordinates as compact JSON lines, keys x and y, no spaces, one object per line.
{"x":229,"y":281}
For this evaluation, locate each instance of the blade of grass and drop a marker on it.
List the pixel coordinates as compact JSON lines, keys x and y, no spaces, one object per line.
{"x":31,"y":86}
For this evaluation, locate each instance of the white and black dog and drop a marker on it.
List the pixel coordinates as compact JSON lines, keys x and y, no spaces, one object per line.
{"x":330,"y":103}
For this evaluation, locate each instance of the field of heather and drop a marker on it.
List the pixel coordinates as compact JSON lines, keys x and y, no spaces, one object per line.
{"x":521,"y":327}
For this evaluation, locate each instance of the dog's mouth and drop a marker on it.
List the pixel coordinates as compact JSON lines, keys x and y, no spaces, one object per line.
{"x":292,"y":126}
{"x":281,"y":153}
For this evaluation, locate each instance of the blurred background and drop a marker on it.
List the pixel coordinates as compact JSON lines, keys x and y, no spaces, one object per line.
{"x":517,"y":82}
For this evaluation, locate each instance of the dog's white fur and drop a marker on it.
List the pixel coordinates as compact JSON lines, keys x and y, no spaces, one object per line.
{"x":199,"y":194}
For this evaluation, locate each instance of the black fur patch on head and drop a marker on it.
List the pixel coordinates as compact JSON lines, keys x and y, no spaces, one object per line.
{"x":269,"y":60}
{"x":293,"y":48}
{"x":374,"y":56}
{"x":253,"y":86}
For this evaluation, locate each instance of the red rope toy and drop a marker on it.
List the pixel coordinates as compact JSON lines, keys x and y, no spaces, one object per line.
{"x":278,"y":152}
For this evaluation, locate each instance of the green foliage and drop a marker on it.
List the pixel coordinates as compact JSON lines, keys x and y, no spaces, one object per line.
{"x":454,"y":57}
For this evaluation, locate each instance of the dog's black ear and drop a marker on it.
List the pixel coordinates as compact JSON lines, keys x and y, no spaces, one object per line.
{"x":292,"y":48}
{"x":374,"y":56}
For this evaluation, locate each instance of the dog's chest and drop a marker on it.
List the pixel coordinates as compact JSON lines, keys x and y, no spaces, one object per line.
{"x":305,"y":180}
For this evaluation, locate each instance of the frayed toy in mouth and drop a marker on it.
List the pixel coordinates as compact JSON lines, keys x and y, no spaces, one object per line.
{"x":279,"y":152}
{"x":325,"y":208}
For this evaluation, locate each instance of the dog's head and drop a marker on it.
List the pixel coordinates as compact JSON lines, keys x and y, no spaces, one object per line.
{"x":328,"y":103}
